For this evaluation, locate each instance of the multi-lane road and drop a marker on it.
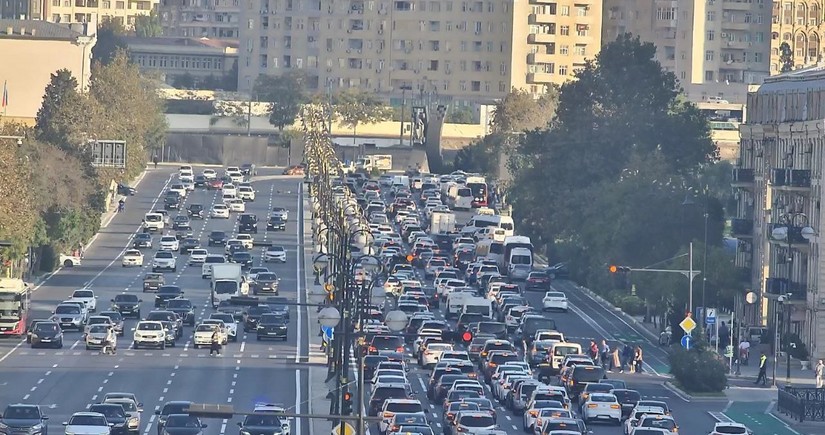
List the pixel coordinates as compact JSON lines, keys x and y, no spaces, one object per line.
{"x":67,"y":380}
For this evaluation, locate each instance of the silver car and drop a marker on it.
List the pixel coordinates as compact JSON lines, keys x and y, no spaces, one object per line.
{"x":69,"y":316}
{"x":473,"y":422}
{"x":96,"y":336}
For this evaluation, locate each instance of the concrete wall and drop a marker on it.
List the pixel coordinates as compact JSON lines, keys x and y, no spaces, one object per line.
{"x":225,"y":150}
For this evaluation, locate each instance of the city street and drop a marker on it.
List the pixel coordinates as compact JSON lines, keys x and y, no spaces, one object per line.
{"x":67,"y":380}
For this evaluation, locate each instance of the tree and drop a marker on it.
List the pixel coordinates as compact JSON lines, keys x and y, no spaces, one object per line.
{"x":184,"y":81}
{"x":60,"y":92}
{"x":17,"y":213}
{"x":354,"y":107}
{"x":110,"y":41}
{"x":148,"y":26}
{"x":461,"y":115}
{"x":785,"y":57}
{"x":519,"y":111}
{"x":287,"y":95}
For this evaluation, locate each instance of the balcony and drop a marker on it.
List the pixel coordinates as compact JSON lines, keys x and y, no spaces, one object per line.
{"x":541,"y":19}
{"x":543,"y":2}
{"x":742,"y":177}
{"x":541,"y":38}
{"x":791,"y":179}
{"x":781,"y":286}
{"x":794,"y":235}
{"x":741,"y":228}
{"x":736,"y":5}
{"x":665,"y":24}
{"x":737,"y":45}
{"x":733,"y":65}
{"x":540,"y":58}
{"x":735,"y":25}
{"x":539,"y":78}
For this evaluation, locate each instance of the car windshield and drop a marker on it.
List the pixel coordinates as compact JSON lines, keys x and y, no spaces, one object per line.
{"x":114,"y":316}
{"x":163,"y":254}
{"x":87,"y":420}
{"x":179,"y":303}
{"x":126,"y":298}
{"x":258,"y":310}
{"x":182,"y":421}
{"x":273,"y":319}
{"x":67,"y":309}
{"x":477,"y":421}
{"x":409,"y":407}
{"x":205,"y":327}
{"x":174,"y":408}
{"x":603,"y":398}
{"x":98,"y":329}
{"x":659,"y":423}
{"x":21,"y":413}
{"x":734,"y":430}
{"x":262,"y":420}
{"x":127,"y":405}
{"x":83,"y":294}
{"x":267,"y":276}
{"x":45,"y":327}
{"x":149,"y":327}
{"x":109,"y":411}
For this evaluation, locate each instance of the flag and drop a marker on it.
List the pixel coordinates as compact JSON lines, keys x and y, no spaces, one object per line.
{"x":5,"y":94}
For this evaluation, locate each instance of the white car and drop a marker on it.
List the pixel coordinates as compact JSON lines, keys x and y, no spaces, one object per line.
{"x":235,"y":176}
{"x":246,"y":240}
{"x":132,"y":257}
{"x":665,"y":422}
{"x":276,"y":254}
{"x":169,"y":243}
{"x":220,"y":211}
{"x":229,"y":189}
{"x":730,"y":428}
{"x":178,"y":188}
{"x":281,"y":213}
{"x":188,"y":184}
{"x":149,"y":333}
{"x":209,"y":174}
{"x":203,"y":334}
{"x":164,"y":260}
{"x":554,"y":301}
{"x":237,"y":205}
{"x":432,"y":353}
{"x":85,"y":296}
{"x":229,"y":322}
{"x":639,"y":412}
{"x":246,"y":193}
{"x":197,"y":256}
{"x":87,"y":423}
{"x":602,"y":406}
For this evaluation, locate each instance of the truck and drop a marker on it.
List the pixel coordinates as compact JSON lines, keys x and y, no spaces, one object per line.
{"x":228,"y":281}
{"x":512,"y":243}
{"x":442,"y":222}
{"x":14,"y":306}
{"x":375,"y":162}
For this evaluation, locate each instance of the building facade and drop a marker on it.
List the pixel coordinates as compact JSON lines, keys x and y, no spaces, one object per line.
{"x":471,"y":51}
{"x":213,"y":19}
{"x":95,"y":11}
{"x":39,"y":49}
{"x":779,"y":188}
{"x":716,"y":48}
{"x":800,"y":24}
{"x":199,"y":58}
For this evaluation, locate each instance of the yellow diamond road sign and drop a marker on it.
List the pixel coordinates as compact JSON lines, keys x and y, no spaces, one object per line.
{"x":688,"y":325}
{"x":343,"y":429}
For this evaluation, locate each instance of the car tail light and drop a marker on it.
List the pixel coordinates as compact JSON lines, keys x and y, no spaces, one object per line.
{"x":388,"y":415}
{"x":459,"y":429}
{"x":615,"y":407}
{"x":372,"y":349}
{"x":450,"y":416}
{"x":592,"y":405}
{"x":534,"y":413}
{"x":399,"y":349}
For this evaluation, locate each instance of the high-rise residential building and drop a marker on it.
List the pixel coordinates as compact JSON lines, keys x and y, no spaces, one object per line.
{"x":213,"y":19}
{"x":20,"y":9}
{"x":716,"y":48}
{"x":800,"y":24}
{"x":467,"y":51}
{"x":96,"y":11}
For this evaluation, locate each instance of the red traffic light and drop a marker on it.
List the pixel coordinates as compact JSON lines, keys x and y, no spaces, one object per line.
{"x":347,"y":396}
{"x":467,"y":336}
{"x":613,"y":268}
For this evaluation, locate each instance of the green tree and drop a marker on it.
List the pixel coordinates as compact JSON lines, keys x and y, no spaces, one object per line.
{"x":110,"y":41}
{"x":287,"y":95}
{"x":785,"y":57}
{"x":354,"y":107}
{"x":461,"y":115}
{"x":60,"y":92}
{"x":17,"y":213}
{"x":184,"y":81}
{"x":148,"y":26}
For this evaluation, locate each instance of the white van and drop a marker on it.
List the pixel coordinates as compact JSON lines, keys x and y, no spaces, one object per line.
{"x":478,"y":305}
{"x":493,"y":233}
{"x":506,"y":224}
{"x":478,"y":222}
{"x":153,"y":222}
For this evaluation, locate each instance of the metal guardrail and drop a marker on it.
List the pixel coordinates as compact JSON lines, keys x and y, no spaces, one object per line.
{"x":802,"y":404}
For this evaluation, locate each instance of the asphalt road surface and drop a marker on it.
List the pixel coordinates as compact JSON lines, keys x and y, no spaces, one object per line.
{"x":67,"y":380}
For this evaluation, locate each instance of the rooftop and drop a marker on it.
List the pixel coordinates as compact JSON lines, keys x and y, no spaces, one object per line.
{"x":35,"y":29}
{"x":807,"y":79}
{"x":183,"y":42}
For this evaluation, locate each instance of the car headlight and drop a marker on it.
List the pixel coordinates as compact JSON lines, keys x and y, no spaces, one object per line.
{"x":133,"y":420}
{"x":37,"y":428}
{"x":243,"y":432}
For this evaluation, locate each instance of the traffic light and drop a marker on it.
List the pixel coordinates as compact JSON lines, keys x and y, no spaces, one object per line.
{"x":621,"y":276}
{"x":467,"y":337}
{"x":346,"y":407}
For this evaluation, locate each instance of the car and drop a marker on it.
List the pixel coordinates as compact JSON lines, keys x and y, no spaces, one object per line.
{"x":229,"y":189}
{"x":249,"y":169}
{"x":183,"y":424}
{"x":275,"y":253}
{"x":253,"y":315}
{"x":236,"y":205}
{"x":198,"y":256}
{"x":172,"y":201}
{"x":164,"y":260}
{"x":152,"y":282}
{"x":230,"y":322}
{"x":217,"y":238}
{"x":602,"y":406}
{"x":25,"y":418}
{"x":149,"y":333}
{"x":167,"y":293}
{"x":96,"y":336}
{"x":730,"y":428}
{"x":188,"y":244}
{"x":127,"y":304}
{"x":200,"y":180}
{"x":142,"y":240}
{"x":537,"y":280}
{"x":116,"y":319}
{"x":115,"y":416}
{"x":170,"y":408}
{"x":125,"y":190}
{"x":246,"y":193}
{"x":554,"y":300}
{"x":275,"y":223}
{"x":203,"y":335}
{"x":294,"y":170}
{"x":46,"y":333}
{"x":183,"y":308}
{"x":132,"y":257}
{"x":265,"y":422}
{"x":97,"y":320}
{"x":85,"y":296}
{"x":472,"y":422}
{"x":169,"y":243}
{"x":243,"y":258}
{"x":181,"y":222}
{"x":247,"y":224}
{"x":265,"y":283}
{"x":272,"y":325}
{"x":246,"y":240}
{"x":639,"y":412}
{"x":220,"y":211}
{"x":665,"y":422}
{"x":87,"y":423}
{"x":214,"y":184}
{"x":281,"y":213}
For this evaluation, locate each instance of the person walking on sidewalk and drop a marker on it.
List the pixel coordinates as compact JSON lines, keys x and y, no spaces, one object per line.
{"x":763,"y":370}
{"x":594,"y":350}
{"x":820,"y":374}
{"x":638,"y":359}
{"x":627,"y":358}
{"x":605,"y":357}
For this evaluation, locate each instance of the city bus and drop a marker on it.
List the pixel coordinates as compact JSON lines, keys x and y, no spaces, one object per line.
{"x":14,"y":305}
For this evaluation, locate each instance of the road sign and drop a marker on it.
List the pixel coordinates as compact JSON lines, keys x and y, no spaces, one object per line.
{"x":710,"y":317}
{"x":729,"y":351}
{"x":688,"y":325}
{"x":343,"y":429}
{"x":686,"y":341}
{"x":108,"y":153}
{"x":328,"y":331}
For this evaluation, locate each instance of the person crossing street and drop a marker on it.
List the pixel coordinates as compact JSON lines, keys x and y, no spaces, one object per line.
{"x":215,"y":348}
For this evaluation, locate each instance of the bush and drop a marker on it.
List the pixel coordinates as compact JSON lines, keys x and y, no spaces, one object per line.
{"x":798,"y":350}
{"x":632,"y":305}
{"x":698,"y":370}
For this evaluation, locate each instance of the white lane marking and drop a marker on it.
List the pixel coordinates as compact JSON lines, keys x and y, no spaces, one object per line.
{"x":243,"y":345}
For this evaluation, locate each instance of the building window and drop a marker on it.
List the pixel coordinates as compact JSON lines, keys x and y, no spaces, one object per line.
{"x":565,"y":11}
{"x":709,"y":55}
{"x":475,"y":86}
{"x":563,"y":70}
{"x":665,"y":14}
{"x":580,"y":49}
{"x":581,"y":11}
{"x":711,"y":35}
{"x":565,"y":30}
{"x":708,"y":76}
{"x":564,"y":50}
{"x":757,"y":56}
{"x":711,"y":16}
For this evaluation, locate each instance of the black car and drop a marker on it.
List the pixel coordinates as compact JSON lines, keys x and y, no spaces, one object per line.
{"x":125,"y":190}
{"x":117,"y":321}
{"x":30,"y":328}
{"x":184,"y":233}
{"x":233,"y":249}
{"x":181,"y":222}
{"x":243,"y":258}
{"x":278,"y":305}
{"x":183,"y":424}
{"x":271,"y":325}
{"x":165,"y":293}
{"x":184,"y":309}
{"x":253,"y":314}
{"x":266,"y":282}
{"x":171,"y":201}
{"x":127,"y":305}
{"x":46,"y":334}
{"x":276,"y":223}
{"x":248,"y":169}
{"x":115,"y":416}
{"x":170,"y":408}
{"x":142,"y":240}
{"x":247,"y":224}
{"x":24,"y":419}
{"x":188,"y":244}
{"x":261,"y":423}
{"x":195,"y":211}
{"x":199,"y":181}
{"x":217,"y":238}
{"x":558,"y":271}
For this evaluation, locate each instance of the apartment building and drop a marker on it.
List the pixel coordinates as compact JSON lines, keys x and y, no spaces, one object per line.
{"x":95,"y":11}
{"x":470,"y":51}
{"x":779,"y":188}
{"x":800,"y":24}
{"x":201,"y":58}
{"x":21,"y":9}
{"x":715,"y":47}
{"x":214,"y":19}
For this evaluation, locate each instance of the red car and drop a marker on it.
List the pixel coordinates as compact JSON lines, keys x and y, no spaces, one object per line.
{"x":294,"y":170}
{"x":215,"y":184}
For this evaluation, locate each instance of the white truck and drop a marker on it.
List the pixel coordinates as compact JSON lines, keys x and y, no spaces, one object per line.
{"x":375,"y":162}
{"x":227,"y":281}
{"x":442,"y":222}
{"x":522,"y":247}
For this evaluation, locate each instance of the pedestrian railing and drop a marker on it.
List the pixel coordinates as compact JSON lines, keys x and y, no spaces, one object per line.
{"x":802,"y":404}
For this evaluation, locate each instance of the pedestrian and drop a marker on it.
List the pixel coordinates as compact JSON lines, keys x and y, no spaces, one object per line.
{"x":155,"y":160}
{"x":763,"y":370}
{"x":638,"y":359}
{"x":616,"y":359}
{"x":627,"y":358}
{"x":215,"y":348}
{"x":594,"y":351}
{"x":723,"y":333}
{"x":605,"y":357}
{"x":744,"y":352}
{"x":820,"y":374}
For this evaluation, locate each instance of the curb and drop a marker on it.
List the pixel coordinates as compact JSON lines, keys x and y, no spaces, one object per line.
{"x":687,"y":397}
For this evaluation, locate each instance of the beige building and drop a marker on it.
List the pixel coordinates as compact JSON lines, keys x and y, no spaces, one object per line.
{"x":715,"y":47}
{"x":95,"y":11}
{"x":779,"y":183}
{"x":200,"y":58}
{"x":465,"y":51}
{"x":800,"y":24}
{"x":213,"y":19}
{"x":39,"y":49}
